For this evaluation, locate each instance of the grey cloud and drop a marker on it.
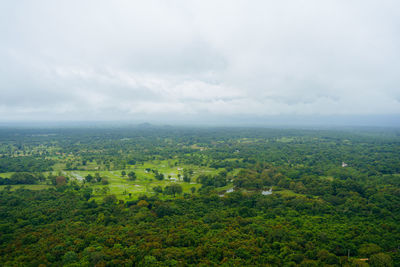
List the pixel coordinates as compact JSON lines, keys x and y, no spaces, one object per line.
{"x":123,"y":59}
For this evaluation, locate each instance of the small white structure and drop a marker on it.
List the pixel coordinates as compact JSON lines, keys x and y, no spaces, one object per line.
{"x":344,"y":164}
{"x":266,"y":192}
{"x":230,"y":190}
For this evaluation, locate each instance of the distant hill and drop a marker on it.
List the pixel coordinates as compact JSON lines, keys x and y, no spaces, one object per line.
{"x":145,"y":125}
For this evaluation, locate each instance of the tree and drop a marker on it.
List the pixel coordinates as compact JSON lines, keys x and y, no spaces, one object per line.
{"x":22,"y":178}
{"x":381,"y":260}
{"x":70,"y":257}
{"x":105,"y":190}
{"x":186,"y":178}
{"x":88,"y":178}
{"x":60,"y":181}
{"x":187,"y":172}
{"x":143,"y":203}
{"x":193,"y":189}
{"x":110,"y":199}
{"x":97,"y":177}
{"x":366,"y":250}
{"x":158,"y":189}
{"x":123,"y":173}
{"x":159,"y":176}
{"x":132,"y":176}
{"x":173,"y":189}
{"x":87,"y":193}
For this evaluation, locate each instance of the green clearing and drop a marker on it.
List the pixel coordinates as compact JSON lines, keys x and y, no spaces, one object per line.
{"x":6,"y":174}
{"x":285,"y":139}
{"x":121,"y":186}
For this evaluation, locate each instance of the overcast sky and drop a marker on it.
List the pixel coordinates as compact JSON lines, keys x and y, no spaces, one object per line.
{"x":123,"y":60}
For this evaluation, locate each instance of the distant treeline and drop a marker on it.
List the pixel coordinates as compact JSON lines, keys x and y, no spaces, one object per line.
{"x":25,"y":164}
{"x":21,"y":178}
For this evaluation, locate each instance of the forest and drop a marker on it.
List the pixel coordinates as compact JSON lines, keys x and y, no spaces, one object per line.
{"x":199,"y":196}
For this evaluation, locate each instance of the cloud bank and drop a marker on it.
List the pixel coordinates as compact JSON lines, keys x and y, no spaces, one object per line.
{"x":108,"y":60}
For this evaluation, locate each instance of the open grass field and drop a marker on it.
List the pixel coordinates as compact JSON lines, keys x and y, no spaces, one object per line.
{"x":125,"y":189}
{"x":6,"y":174}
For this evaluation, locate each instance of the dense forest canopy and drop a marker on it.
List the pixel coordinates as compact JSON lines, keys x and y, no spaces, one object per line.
{"x":166,"y":196}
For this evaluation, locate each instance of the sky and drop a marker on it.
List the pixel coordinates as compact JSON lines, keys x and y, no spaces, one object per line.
{"x":74,"y":60}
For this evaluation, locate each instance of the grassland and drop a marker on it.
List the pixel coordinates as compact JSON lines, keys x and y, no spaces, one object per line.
{"x":125,"y":189}
{"x":122,"y":187}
